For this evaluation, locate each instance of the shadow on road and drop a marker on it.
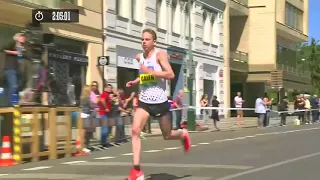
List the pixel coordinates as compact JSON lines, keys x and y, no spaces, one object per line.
{"x":165,"y":176}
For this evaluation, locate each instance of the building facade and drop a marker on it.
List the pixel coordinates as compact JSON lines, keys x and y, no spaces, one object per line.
{"x":125,"y":21}
{"x":77,"y":45}
{"x":263,"y":37}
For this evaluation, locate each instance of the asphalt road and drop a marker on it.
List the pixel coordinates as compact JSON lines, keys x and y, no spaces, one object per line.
{"x":280,"y":153}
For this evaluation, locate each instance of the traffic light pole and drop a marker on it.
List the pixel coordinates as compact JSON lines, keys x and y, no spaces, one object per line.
{"x":191,"y":121}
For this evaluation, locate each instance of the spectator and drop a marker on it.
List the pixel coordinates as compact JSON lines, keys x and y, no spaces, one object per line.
{"x":260,"y":110}
{"x":315,"y":108}
{"x":283,"y":108}
{"x":238,"y":103}
{"x":215,"y":112}
{"x":105,"y":112}
{"x":177,"y":103}
{"x":87,"y":108}
{"x":204,"y":103}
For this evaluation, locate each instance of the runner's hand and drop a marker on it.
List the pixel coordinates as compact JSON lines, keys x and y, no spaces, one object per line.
{"x":130,"y":83}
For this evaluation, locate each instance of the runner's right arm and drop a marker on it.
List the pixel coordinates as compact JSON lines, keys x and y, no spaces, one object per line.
{"x":137,"y":80}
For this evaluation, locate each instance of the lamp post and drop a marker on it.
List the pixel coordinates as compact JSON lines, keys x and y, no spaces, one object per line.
{"x":191,"y":121}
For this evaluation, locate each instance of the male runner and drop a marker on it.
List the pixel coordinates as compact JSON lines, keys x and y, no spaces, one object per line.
{"x":155,"y":69}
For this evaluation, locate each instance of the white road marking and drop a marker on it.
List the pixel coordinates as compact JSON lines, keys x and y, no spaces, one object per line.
{"x":37,"y":168}
{"x":269,"y":166}
{"x":172,"y":148}
{"x":4,"y":175}
{"x":151,"y":151}
{"x":106,"y":157}
{"x":127,"y":154}
{"x":194,"y":145}
{"x":166,"y":165}
{"x":204,"y":143}
{"x":73,"y":162}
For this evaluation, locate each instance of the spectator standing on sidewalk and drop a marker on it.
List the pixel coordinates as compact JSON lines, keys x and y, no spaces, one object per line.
{"x":215,"y":112}
{"x":283,"y":108}
{"x":88,"y":107}
{"x":260,"y":110}
{"x":104,"y":112}
{"x":315,"y":108}
{"x":307,"y":107}
{"x":177,"y":103}
{"x":238,"y":103}
{"x":204,"y":103}
{"x":268,"y":103}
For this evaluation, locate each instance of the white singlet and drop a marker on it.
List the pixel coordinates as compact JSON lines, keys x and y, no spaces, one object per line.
{"x":152,"y":89}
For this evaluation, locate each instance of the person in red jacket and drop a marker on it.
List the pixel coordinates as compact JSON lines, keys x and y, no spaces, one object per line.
{"x":104,"y":112}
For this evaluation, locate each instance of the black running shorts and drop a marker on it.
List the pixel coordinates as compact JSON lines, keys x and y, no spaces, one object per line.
{"x":155,"y":110}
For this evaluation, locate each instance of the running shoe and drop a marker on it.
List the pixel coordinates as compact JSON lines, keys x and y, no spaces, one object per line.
{"x":186,"y":140}
{"x":135,"y":175}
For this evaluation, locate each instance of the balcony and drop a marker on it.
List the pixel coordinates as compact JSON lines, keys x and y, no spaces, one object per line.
{"x":239,"y":8}
{"x":239,"y":61}
{"x":291,"y":33}
{"x":293,"y":74}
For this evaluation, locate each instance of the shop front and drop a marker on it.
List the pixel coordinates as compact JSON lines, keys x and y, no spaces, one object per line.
{"x":177,"y":61}
{"x":209,"y":82}
{"x":127,"y":68}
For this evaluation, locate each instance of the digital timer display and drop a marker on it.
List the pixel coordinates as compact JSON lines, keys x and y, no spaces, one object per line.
{"x":55,"y":16}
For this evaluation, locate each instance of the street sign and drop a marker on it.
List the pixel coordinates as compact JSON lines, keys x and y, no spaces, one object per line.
{"x":103,"y":60}
{"x":276,"y":79}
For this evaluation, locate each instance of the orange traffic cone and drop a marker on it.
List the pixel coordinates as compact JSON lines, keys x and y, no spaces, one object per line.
{"x":78,"y":146}
{"x":6,"y":153}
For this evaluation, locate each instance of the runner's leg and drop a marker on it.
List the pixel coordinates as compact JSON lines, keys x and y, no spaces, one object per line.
{"x":139,"y":120}
{"x":169,"y":134}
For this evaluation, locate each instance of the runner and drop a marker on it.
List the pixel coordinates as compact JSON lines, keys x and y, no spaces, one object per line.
{"x":155,"y":69}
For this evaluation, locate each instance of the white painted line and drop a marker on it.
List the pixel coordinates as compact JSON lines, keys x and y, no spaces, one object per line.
{"x":203,"y":143}
{"x":4,"y":174}
{"x":37,"y":168}
{"x":250,"y":136}
{"x":166,"y":165}
{"x":172,"y":148}
{"x":73,"y":162}
{"x":127,"y":154}
{"x":106,"y":157}
{"x":194,"y":145}
{"x":151,"y":151}
{"x":268,"y":166}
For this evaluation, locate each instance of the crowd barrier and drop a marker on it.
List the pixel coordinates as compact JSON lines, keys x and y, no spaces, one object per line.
{"x":36,"y":131}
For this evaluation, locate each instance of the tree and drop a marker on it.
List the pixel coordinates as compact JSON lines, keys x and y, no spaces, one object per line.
{"x":313,"y":61}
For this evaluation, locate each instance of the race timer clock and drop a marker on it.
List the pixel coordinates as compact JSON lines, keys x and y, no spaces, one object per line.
{"x":55,"y":15}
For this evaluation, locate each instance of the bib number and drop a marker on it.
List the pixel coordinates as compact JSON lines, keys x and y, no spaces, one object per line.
{"x":147,"y":79}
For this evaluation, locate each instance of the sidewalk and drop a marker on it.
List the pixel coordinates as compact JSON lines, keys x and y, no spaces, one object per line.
{"x":224,"y":124}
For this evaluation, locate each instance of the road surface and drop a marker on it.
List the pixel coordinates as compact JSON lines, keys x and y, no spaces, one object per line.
{"x":280,"y":153}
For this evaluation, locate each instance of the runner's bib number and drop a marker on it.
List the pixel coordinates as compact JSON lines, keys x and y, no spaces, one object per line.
{"x":147,"y":79}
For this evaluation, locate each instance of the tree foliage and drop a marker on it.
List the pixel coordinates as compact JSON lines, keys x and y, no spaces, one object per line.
{"x":311,"y":55}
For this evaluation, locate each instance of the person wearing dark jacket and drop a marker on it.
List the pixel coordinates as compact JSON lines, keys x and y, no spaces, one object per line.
{"x":215,"y":112}
{"x":283,"y":108}
{"x":315,"y":108}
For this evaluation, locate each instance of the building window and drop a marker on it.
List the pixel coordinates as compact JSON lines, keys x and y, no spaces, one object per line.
{"x":175,"y":17}
{"x":286,"y":56}
{"x":123,"y":9}
{"x":161,"y":14}
{"x":207,"y":26}
{"x":294,"y":17}
{"x":187,"y":24}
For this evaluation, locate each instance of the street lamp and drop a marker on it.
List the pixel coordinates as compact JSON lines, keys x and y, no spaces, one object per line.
{"x":191,"y":121}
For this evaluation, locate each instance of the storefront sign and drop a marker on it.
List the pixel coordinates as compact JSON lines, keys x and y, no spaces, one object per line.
{"x":221,"y":73}
{"x":126,"y":57}
{"x":176,"y":56}
{"x":66,"y":56}
{"x":127,"y":62}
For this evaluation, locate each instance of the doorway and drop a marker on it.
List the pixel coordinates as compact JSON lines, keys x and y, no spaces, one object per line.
{"x":208,"y":88}
{"x":123,"y":76}
{"x":176,"y":68}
